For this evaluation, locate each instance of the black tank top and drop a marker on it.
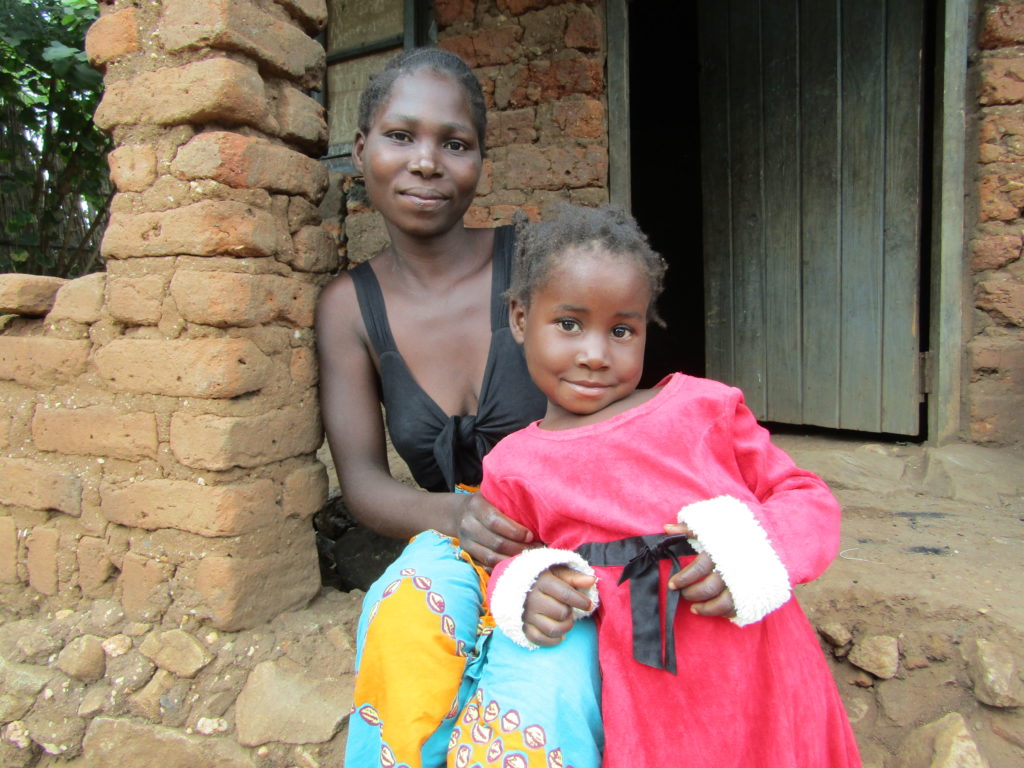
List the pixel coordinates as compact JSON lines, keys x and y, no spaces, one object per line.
{"x":443,"y":450}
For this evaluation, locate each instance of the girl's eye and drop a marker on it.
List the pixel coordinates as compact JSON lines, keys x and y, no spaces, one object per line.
{"x":622,"y":332}
{"x":568,"y":325}
{"x":456,"y":145}
{"x":402,"y":136}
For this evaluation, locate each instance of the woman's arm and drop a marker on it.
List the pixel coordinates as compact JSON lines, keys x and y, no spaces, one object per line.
{"x":350,"y":402}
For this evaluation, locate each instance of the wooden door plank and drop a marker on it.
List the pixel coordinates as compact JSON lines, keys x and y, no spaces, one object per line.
{"x":900,"y":336}
{"x":715,"y":185}
{"x":863,"y":142}
{"x":746,"y":142}
{"x":782,"y":210}
{"x":820,"y":210}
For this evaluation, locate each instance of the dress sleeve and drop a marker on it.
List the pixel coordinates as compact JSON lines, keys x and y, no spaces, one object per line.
{"x":788,"y":533}
{"x":512,"y":578}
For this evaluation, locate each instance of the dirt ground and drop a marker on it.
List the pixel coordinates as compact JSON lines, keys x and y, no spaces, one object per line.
{"x":932,"y":553}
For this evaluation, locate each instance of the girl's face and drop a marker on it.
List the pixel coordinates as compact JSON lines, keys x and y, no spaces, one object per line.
{"x":584,"y":332}
{"x":421,"y":158}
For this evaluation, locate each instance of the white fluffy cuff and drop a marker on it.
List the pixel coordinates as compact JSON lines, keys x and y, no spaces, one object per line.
{"x":727,"y":530}
{"x":508,"y":597}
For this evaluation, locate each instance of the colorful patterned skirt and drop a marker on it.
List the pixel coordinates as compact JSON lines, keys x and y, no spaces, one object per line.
{"x":437,"y":686}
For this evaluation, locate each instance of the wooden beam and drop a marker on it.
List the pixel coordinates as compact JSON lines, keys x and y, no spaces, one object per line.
{"x":617,"y":44}
{"x":948,"y":302}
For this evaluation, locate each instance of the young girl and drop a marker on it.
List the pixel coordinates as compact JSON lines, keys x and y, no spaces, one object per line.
{"x":637,"y":482}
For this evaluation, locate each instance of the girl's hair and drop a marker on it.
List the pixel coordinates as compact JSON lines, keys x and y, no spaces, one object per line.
{"x":411,"y":61}
{"x":541,"y":244}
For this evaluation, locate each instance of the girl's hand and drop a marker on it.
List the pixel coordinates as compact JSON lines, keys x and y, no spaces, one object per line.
{"x":486,"y":534}
{"x":547,"y":615}
{"x":700,"y":584}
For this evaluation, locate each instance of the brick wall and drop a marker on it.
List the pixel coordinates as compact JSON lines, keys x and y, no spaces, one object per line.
{"x":542,"y":67}
{"x":159,"y":421}
{"x":996,"y":349}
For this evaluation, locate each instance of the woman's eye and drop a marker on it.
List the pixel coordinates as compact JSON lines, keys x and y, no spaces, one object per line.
{"x":622,"y":332}
{"x":456,"y":145}
{"x":402,"y":136}
{"x":568,"y":325}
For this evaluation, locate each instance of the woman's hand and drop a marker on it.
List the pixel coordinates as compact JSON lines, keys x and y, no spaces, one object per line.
{"x":547,"y":615}
{"x":700,"y":584}
{"x":486,"y":534}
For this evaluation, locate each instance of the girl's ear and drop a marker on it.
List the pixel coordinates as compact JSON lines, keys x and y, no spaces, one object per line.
{"x":517,"y":320}
{"x":357,"y":151}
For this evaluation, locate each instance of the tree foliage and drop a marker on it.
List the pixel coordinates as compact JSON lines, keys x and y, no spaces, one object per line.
{"x":54,"y":187}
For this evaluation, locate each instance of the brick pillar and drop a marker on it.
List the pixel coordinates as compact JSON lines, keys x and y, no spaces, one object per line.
{"x":997,"y":345}
{"x":214,"y":257}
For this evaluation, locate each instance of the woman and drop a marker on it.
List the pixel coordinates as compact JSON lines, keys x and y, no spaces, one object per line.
{"x":423,"y":329}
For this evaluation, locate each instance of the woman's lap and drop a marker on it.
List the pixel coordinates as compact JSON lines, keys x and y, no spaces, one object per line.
{"x":422,"y":624}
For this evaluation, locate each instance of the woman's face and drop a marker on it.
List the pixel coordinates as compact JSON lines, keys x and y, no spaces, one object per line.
{"x":421,"y":158}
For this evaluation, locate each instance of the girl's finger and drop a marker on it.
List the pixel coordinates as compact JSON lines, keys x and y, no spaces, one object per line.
{"x":722,"y":605}
{"x":692,"y":573}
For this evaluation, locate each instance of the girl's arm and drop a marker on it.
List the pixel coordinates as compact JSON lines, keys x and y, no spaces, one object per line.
{"x":788,"y":533}
{"x":350,"y":402}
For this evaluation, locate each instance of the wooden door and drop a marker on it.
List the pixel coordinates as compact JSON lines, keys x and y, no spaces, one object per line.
{"x":812,"y":147}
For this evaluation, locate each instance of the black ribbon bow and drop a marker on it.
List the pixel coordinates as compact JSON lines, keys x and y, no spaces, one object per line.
{"x":640,"y":555}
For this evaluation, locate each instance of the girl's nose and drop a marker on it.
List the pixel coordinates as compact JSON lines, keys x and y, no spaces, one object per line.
{"x":424,"y":163}
{"x":593,"y":352}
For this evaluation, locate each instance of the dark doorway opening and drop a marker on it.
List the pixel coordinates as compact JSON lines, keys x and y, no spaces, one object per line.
{"x":665,"y":174}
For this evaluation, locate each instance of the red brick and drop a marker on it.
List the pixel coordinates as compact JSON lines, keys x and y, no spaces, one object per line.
{"x":94,"y":567}
{"x":31,"y":295}
{"x":301,"y":119}
{"x":238,"y":25}
{"x":41,"y":561}
{"x":448,"y":12}
{"x":132,"y":167}
{"x":551,"y":167}
{"x":544,"y":81}
{"x":584,"y":31}
{"x":1002,"y":81}
{"x":994,"y":252}
{"x":207,"y":228}
{"x":212,"y":90}
{"x":30,"y":484}
{"x":246,"y":162}
{"x":994,"y":197}
{"x":40,"y":362}
{"x":1002,"y":137}
{"x":144,"y":587}
{"x":311,"y":14}
{"x":7,"y":416}
{"x":112,"y":36}
{"x":80,"y":300}
{"x":8,"y":550}
{"x":516,"y":7}
{"x":485,"y":47}
{"x":314,"y":250}
{"x":184,"y":368}
{"x":206,"y":510}
{"x":136,"y":300}
{"x":96,"y":431}
{"x":513,"y":126}
{"x":1000,"y":356}
{"x":544,"y":30}
{"x":243,"y":592}
{"x":305,"y":491}
{"x":1002,"y":25}
{"x":204,"y":441}
{"x":1003,"y":297}
{"x":303,"y":367}
{"x":994,"y":417}
{"x":579,"y":118}
{"x":227,"y":299}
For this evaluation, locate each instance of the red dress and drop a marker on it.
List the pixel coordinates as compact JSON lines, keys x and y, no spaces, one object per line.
{"x":754,"y":695}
